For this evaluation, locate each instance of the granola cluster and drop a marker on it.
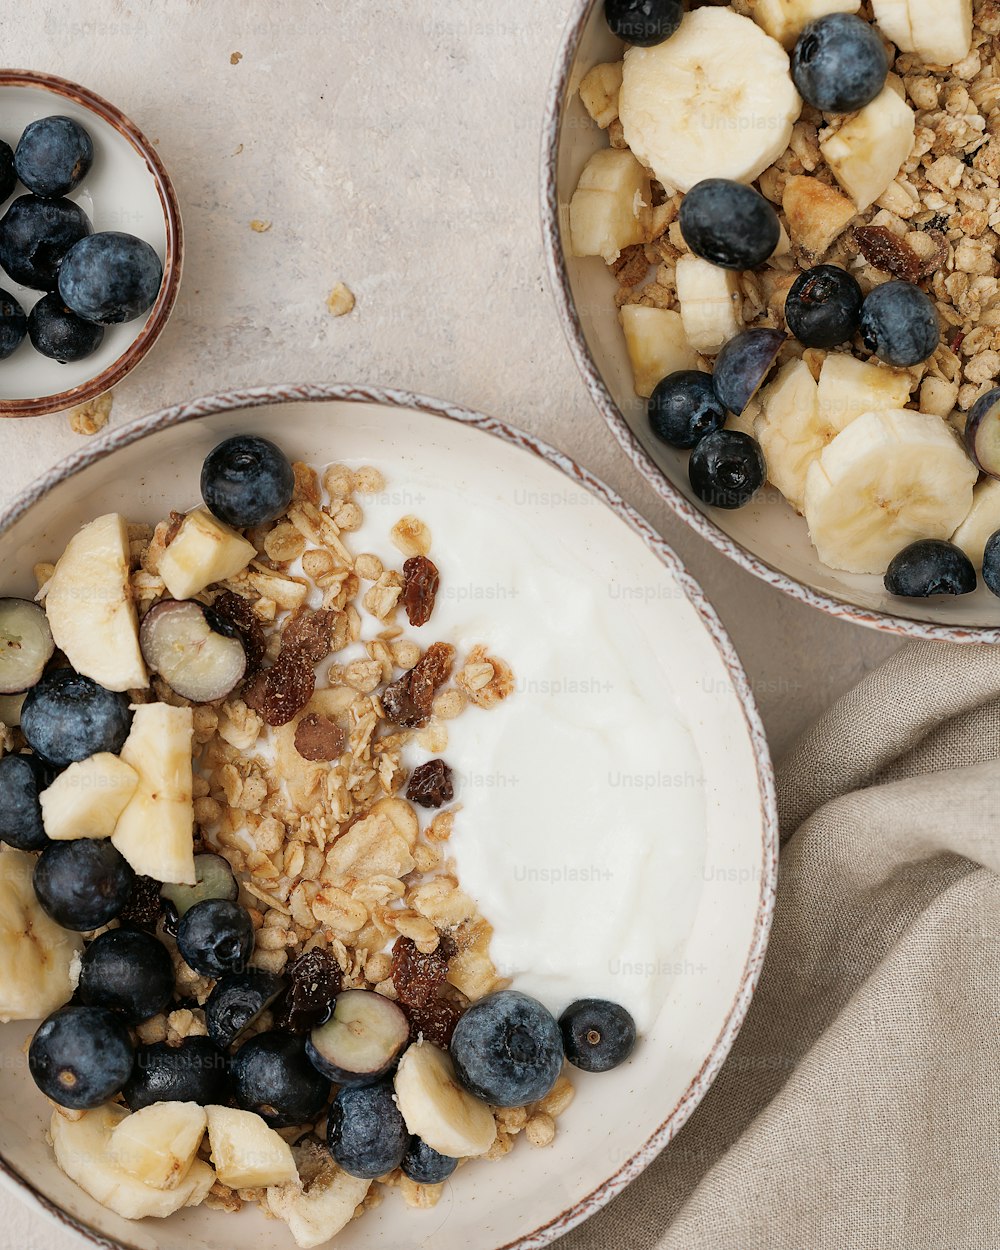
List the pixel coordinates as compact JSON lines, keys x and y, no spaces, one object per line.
{"x":300,"y":781}
{"x":938,"y":222}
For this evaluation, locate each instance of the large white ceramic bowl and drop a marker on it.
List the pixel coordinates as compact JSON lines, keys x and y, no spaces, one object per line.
{"x":619,"y":1121}
{"x":767,"y":537}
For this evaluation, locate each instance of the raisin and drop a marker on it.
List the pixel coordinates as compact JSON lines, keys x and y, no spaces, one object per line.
{"x":886,"y":251}
{"x":435,"y":1020}
{"x":407,"y":702}
{"x":310,"y":633}
{"x":315,"y":980}
{"x":416,"y":976}
{"x":144,"y":906}
{"x":283,"y":690}
{"x":431,"y":784}
{"x":420,"y":586}
{"x":318,"y":738}
{"x":239,"y":612}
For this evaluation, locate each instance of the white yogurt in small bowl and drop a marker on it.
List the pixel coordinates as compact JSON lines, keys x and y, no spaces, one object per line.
{"x":617,"y":821}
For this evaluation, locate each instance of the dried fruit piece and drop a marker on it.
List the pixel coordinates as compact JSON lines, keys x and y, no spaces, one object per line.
{"x":318,"y":738}
{"x":416,"y":976}
{"x":407,"y":702}
{"x":420,"y":587}
{"x":239,"y":612}
{"x":315,"y":982}
{"x":431,"y":784}
{"x":309,"y":632}
{"x":886,"y":251}
{"x":283,"y":690}
{"x":436,"y":1020}
{"x":144,"y":906}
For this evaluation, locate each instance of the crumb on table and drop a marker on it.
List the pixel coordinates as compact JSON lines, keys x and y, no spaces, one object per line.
{"x":92,"y":416}
{"x":340,"y":301}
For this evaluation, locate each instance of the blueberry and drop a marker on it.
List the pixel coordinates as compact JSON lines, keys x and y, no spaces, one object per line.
{"x":196,"y":1071}
{"x":68,"y":717}
{"x":366,"y":1133}
{"x":899,"y":324}
{"x":8,"y":174}
{"x":729,"y":224}
{"x":823,"y":306}
{"x":643,"y":22}
{"x":839,"y":64}
{"x":743,"y":364}
{"x":727,"y":469}
{"x":37,"y":235}
{"x":216,"y":937}
{"x":59,"y":333}
{"x":22,"y":779}
{"x":423,"y":1164}
{"x":931,"y":567}
{"x":53,"y":156}
{"x":13,"y":325}
{"x":82,"y":884}
{"x":247,"y":481}
{"x":683,"y":408}
{"x":129,"y":972}
{"x":273,"y":1077}
{"x":507,"y":1049}
{"x":80,"y":1057}
{"x":237,"y":1001}
{"x":597,"y":1035}
{"x":991,"y":563}
{"x":110,"y":277}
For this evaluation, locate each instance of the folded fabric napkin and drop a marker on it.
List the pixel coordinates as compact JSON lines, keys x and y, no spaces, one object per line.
{"x":860,"y":1106}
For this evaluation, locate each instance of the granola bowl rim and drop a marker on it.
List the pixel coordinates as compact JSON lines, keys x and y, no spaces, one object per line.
{"x":572,"y":326}
{"x":263,"y":396}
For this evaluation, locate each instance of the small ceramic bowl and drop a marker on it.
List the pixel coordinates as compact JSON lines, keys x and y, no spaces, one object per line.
{"x":430,"y":452}
{"x":127,"y":189}
{"x":767,"y":537}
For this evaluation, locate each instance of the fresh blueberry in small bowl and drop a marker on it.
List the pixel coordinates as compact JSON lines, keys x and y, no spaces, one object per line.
{"x":899,"y":324}
{"x":129,"y":972}
{"x":13,"y":325}
{"x":366,"y":1133}
{"x":823,"y":306}
{"x":82,"y":884}
{"x":729,"y":224}
{"x":247,"y":481}
{"x":273,"y":1077}
{"x":727,"y":469}
{"x":57,"y":332}
{"x":683,"y":408}
{"x":643,"y":22}
{"x":929,"y":567}
{"x":53,"y":156}
{"x":507,"y":1049}
{"x":839,"y":64}
{"x":80,"y":1057}
{"x":195,"y":1071}
{"x":216,"y":937}
{"x":68,"y":717}
{"x":22,"y":779}
{"x":991,"y":564}
{"x":37,"y":235}
{"x":598,"y":1035}
{"x":8,"y":174}
{"x":110,"y":277}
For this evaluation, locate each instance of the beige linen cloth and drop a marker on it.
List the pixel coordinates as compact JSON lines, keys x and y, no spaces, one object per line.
{"x":860,"y":1107}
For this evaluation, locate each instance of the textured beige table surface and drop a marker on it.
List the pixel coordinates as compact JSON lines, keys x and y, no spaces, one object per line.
{"x":398,"y":154}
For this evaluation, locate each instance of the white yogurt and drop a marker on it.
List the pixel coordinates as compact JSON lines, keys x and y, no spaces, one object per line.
{"x":582,"y":825}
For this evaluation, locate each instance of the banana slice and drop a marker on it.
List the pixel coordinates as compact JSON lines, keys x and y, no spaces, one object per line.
{"x":785,"y":20}
{"x":158,"y":1144}
{"x":81,"y":1149}
{"x":246,"y":1153}
{"x":323,"y":1204}
{"x":849,"y":387}
{"x":599,"y":92}
{"x":88,"y":798}
{"x":610,"y":207}
{"x":711,"y":304}
{"x":437,"y":1109}
{"x":887,"y":480}
{"x":867,"y":152}
{"x":88,"y":601}
{"x":790,"y":429}
{"x":982,"y":522}
{"x":716,"y":100}
{"x":938,"y":31}
{"x":204,"y":552}
{"x":657,"y":345}
{"x":37,"y":957}
{"x":155,"y":832}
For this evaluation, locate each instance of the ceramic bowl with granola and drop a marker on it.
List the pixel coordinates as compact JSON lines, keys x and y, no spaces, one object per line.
{"x":771,"y":229}
{"x":372,"y":866}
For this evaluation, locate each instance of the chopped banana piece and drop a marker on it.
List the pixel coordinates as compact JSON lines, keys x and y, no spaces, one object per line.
{"x":657,"y":345}
{"x":37,"y":957}
{"x":204,"y":552}
{"x":609,"y":209}
{"x":88,"y":798}
{"x":867,"y":152}
{"x":599,"y":92}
